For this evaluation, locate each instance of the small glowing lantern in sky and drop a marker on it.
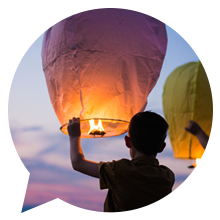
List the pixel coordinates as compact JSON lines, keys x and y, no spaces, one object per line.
{"x":187,"y":96}
{"x":100,"y":65}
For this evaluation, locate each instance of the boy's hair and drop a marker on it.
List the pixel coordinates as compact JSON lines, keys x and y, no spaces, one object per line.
{"x":147,"y":131}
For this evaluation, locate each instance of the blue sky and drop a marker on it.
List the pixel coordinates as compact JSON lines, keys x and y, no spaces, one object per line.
{"x":37,"y":153}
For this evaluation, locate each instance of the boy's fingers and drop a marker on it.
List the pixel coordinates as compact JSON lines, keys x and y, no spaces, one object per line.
{"x":74,"y":120}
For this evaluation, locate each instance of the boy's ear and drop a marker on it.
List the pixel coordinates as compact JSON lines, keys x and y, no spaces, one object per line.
{"x":127,"y":141}
{"x":162,"y":147}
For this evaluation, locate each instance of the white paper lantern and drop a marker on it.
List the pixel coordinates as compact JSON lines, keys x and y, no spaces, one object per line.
{"x":102,"y":64}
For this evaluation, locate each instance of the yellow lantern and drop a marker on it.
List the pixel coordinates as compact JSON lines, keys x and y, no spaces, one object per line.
{"x":187,"y":96}
{"x":100,"y":65}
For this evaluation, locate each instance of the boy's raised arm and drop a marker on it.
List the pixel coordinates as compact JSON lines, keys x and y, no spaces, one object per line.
{"x":78,"y":160}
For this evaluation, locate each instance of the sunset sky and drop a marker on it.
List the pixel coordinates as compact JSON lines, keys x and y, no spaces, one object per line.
{"x":39,"y":176}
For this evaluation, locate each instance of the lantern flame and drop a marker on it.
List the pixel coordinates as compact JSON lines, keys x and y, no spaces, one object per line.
{"x":198,"y":163}
{"x":96,"y":129}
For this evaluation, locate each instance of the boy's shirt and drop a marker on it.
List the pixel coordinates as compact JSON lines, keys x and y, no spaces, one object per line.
{"x":134,"y":183}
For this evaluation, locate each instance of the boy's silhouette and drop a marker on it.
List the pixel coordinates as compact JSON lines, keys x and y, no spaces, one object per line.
{"x":131,"y":183}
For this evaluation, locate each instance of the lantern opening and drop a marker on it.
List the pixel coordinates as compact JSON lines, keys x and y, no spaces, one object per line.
{"x":195,"y":164}
{"x":100,"y":127}
{"x":96,"y":129}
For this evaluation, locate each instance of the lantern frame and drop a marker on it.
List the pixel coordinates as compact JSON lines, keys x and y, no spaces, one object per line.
{"x":109,"y":126}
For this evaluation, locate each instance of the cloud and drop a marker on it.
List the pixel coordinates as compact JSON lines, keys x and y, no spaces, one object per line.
{"x":32,"y":128}
{"x":56,"y":142}
{"x":32,"y":141}
{"x":48,"y":182}
{"x":41,"y":171}
{"x":39,"y":193}
{"x":18,"y":130}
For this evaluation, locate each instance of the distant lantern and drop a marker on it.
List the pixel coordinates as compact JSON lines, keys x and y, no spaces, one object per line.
{"x":100,"y":65}
{"x":187,"y":96}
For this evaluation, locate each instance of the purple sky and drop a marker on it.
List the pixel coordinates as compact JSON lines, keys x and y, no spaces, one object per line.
{"x":44,"y":150}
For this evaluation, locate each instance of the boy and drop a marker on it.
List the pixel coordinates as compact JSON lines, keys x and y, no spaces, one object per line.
{"x":132,"y":183}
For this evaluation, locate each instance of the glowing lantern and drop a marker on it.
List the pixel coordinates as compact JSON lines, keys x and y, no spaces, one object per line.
{"x":187,"y":96}
{"x":101,"y":65}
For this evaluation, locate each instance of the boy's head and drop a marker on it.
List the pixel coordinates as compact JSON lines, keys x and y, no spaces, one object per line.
{"x":147,"y":132}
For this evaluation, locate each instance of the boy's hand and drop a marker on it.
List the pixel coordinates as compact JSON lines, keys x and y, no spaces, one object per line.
{"x":78,"y":160}
{"x":193,"y":128}
{"x":74,"y":127}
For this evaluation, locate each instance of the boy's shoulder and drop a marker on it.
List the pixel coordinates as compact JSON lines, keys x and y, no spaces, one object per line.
{"x":114,"y":164}
{"x":135,"y":171}
{"x":133,"y":164}
{"x":142,"y":161}
{"x":145,"y":165}
{"x":142,"y":168}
